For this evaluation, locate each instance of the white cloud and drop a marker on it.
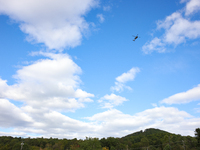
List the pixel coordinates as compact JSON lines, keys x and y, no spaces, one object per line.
{"x":184,"y":97}
{"x":178,"y":29}
{"x":46,"y":88}
{"x":31,"y":122}
{"x":56,"y":23}
{"x":55,"y":124}
{"x":109,"y":101}
{"x":14,"y":134}
{"x":101,"y":18}
{"x":155,"y":45}
{"x":129,"y":76}
{"x":3,"y":87}
{"x":10,"y":115}
{"x":125,"y":77}
{"x":165,"y":118}
{"x":52,"y":83}
{"x":192,"y":6}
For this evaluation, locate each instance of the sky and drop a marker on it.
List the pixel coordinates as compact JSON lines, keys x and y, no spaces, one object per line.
{"x":70,"y":68}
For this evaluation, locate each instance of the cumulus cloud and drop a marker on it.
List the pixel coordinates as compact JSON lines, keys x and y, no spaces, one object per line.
{"x":192,"y":6}
{"x":178,"y":29}
{"x":57,"y":24}
{"x":33,"y":122}
{"x":10,"y":115}
{"x":125,"y":77}
{"x":49,"y":123}
{"x":52,"y":82}
{"x":109,"y":101}
{"x":166,"y":118}
{"x":184,"y":97}
{"x":47,"y":88}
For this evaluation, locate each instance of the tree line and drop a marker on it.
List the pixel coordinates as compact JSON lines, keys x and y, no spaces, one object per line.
{"x":149,"y":139}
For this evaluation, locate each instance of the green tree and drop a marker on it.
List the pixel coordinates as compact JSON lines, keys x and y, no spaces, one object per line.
{"x":144,"y":142}
{"x":58,"y":146}
{"x":103,"y":142}
{"x":90,"y":144}
{"x":197,"y":135}
{"x":17,"y":146}
{"x":167,"y":147}
{"x":112,"y":142}
{"x":190,"y":142}
{"x":151,"y":148}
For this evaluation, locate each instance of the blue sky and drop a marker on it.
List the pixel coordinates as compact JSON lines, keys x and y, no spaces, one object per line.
{"x":70,"y":69}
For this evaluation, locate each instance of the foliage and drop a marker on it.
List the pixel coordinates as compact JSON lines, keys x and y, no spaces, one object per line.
{"x":105,"y":148}
{"x":197,"y":135}
{"x":151,"y":139}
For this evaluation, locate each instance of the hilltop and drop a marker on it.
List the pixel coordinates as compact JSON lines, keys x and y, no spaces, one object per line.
{"x":146,"y":132}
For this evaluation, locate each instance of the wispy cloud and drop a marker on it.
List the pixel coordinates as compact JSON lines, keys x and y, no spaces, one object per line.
{"x":155,"y":45}
{"x":125,"y":77}
{"x":106,"y":8}
{"x":184,"y":97}
{"x":101,"y":18}
{"x":57,"y":24}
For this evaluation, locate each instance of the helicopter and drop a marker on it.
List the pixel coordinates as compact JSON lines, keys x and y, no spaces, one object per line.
{"x":135,"y":37}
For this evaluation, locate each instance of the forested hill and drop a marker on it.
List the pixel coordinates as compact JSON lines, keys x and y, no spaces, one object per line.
{"x":146,"y":132}
{"x":156,"y":139}
{"x":151,"y":139}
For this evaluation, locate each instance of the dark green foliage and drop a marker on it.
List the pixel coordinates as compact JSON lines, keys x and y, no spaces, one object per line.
{"x":90,"y":144}
{"x":151,"y":139}
{"x":146,"y":132}
{"x":17,"y":146}
{"x":197,"y":135}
